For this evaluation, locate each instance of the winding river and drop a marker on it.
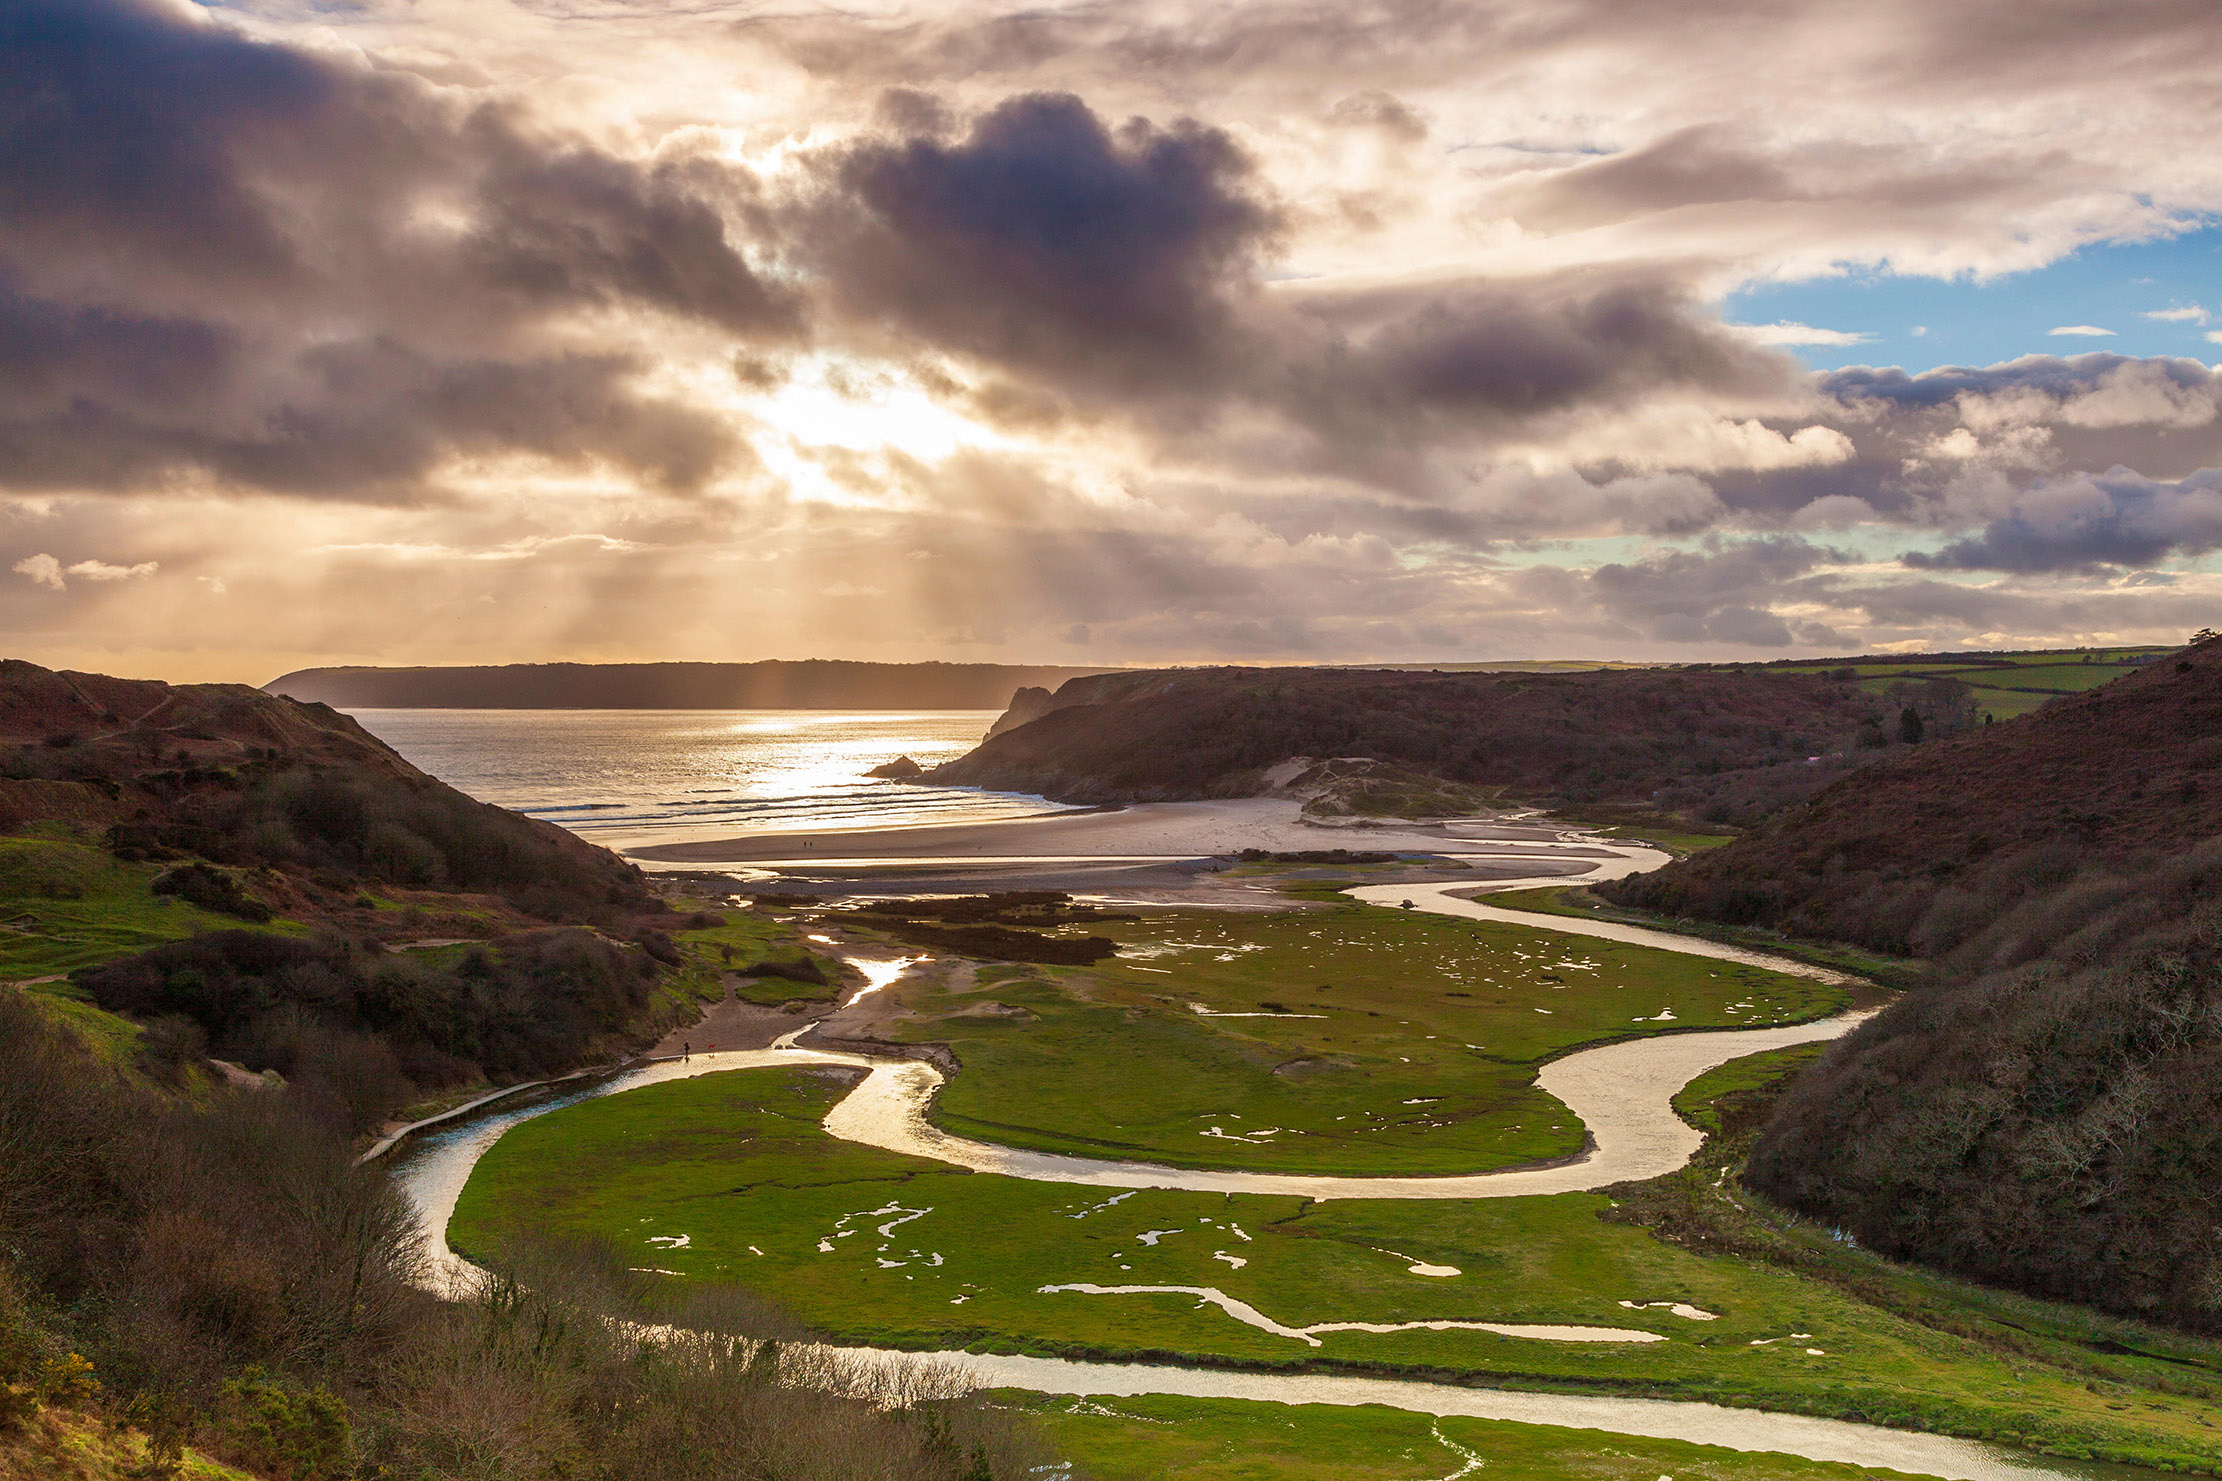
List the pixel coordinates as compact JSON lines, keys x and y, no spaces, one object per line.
{"x":1621,"y":1091}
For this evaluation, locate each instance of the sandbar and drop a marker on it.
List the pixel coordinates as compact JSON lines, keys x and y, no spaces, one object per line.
{"x":1141,"y":832}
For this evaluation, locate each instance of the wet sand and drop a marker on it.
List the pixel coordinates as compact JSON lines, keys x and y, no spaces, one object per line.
{"x":1149,"y":832}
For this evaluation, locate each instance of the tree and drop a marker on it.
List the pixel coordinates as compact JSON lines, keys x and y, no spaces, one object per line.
{"x":1909,"y":726}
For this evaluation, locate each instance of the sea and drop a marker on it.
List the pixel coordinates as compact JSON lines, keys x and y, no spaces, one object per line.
{"x":629,"y":778}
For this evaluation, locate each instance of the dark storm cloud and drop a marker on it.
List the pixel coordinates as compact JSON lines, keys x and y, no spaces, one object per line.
{"x":214,"y":260}
{"x":119,"y":124}
{"x":1047,"y":240}
{"x":2117,"y":518}
{"x":573,"y":226}
{"x":1123,"y":267}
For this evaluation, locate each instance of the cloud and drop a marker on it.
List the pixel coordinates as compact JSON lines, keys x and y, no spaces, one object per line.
{"x":223,"y":258}
{"x":1047,"y":240}
{"x":1720,"y":594}
{"x":45,"y":570}
{"x":2084,"y":523}
{"x":1787,"y":334}
{"x":103,"y":571}
{"x":2092,"y":331}
{"x":2182,"y":314}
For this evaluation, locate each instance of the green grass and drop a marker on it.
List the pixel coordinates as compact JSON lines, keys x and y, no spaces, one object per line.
{"x":2012,"y":684}
{"x":1410,"y":1046}
{"x":1583,"y":904}
{"x":752,"y":939}
{"x":1680,"y":844}
{"x":1699,"y":1101}
{"x":1142,"y":1438}
{"x":114,"y":1039}
{"x":65,"y":905}
{"x":874,"y":1247}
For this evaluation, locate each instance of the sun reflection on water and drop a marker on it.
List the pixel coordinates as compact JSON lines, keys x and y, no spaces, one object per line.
{"x":627,"y":777}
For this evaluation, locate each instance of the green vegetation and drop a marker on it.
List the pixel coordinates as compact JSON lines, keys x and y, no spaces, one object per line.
{"x":1151,"y":1436}
{"x":66,"y":904}
{"x":1354,"y":1040}
{"x":746,"y":942}
{"x":875,"y":1247}
{"x":2002,"y":685}
{"x":223,"y":1276}
{"x":2039,"y":1113}
{"x":1699,"y":1102}
{"x":115,"y":1040}
{"x":1583,"y":902}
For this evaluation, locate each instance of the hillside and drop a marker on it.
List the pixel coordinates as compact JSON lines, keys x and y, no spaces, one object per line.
{"x":2048,"y":1116}
{"x":815,"y":684}
{"x":231,"y":775}
{"x":238,"y":935}
{"x":1704,"y":739}
{"x":1913,"y":851}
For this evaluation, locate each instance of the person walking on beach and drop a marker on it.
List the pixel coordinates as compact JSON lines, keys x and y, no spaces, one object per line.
{"x":686,"y":1052}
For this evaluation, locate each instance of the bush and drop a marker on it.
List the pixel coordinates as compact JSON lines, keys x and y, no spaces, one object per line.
{"x":327,"y":1012}
{"x":297,"y":1434}
{"x":212,"y":889}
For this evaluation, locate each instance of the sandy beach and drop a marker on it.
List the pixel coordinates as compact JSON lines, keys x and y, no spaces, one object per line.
{"x":1150,"y":831}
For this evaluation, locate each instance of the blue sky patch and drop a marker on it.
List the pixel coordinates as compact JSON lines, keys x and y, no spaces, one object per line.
{"x":2154,"y":298}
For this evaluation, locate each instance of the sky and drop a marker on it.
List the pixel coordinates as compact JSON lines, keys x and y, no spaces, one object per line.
{"x":1111,"y":332}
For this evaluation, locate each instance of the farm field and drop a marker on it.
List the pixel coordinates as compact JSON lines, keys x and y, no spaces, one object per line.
{"x":727,"y":1177}
{"x":1351,"y":1039}
{"x":2005,"y":684}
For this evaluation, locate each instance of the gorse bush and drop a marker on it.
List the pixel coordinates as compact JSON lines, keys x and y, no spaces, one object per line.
{"x":359,"y":1027}
{"x":235,"y":1281}
{"x":413,"y":833}
{"x":211,"y":889}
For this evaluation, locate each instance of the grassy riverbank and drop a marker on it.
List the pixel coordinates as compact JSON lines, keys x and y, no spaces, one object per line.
{"x":1354,"y":1039}
{"x":1146,"y":1437}
{"x":728,"y":1178}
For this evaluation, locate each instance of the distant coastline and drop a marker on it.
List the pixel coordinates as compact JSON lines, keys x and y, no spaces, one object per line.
{"x":771,"y":684}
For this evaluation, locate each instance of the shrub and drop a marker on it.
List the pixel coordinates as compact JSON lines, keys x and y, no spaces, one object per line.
{"x":298,"y":1434}
{"x":212,"y":889}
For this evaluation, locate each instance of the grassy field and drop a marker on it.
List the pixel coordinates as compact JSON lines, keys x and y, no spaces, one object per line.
{"x":1143,"y":1438}
{"x":65,"y":905}
{"x":1897,"y":973}
{"x":747,"y":939}
{"x":728,"y":1177}
{"x":2005,"y":684}
{"x":1351,"y":1040}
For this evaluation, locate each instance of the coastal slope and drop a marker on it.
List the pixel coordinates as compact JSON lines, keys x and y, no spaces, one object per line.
{"x":1613,"y":735}
{"x":2047,"y":1115}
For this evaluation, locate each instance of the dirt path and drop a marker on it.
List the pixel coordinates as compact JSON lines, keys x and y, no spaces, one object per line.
{"x":736,"y":1023}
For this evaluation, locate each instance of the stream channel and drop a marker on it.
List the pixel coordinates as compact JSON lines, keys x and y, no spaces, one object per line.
{"x":1621,"y":1091}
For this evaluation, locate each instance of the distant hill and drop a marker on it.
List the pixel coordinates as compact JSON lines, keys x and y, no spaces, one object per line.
{"x":2048,"y":1115}
{"x":773,"y":684}
{"x":1609,"y":735}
